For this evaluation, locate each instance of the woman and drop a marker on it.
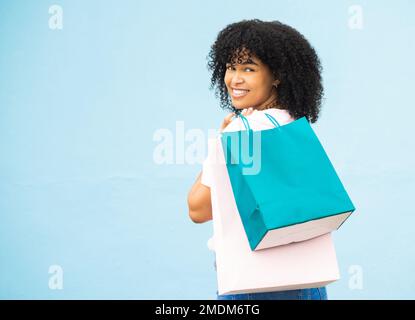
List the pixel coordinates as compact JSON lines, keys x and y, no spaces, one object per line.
{"x":258,"y":66}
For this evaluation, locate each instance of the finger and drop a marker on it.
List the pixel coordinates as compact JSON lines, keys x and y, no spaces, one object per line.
{"x":247,"y":111}
{"x":229,"y":117}
{"x":226,"y":121}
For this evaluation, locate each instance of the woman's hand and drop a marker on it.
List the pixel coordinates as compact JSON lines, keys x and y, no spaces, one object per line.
{"x":228,"y":119}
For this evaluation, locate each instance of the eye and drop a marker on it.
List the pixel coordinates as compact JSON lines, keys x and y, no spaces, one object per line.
{"x":228,"y":67}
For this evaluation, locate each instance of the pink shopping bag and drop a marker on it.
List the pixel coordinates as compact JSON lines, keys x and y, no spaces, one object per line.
{"x":306,"y":264}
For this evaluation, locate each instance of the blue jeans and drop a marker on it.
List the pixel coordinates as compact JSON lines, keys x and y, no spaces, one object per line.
{"x":300,"y":294}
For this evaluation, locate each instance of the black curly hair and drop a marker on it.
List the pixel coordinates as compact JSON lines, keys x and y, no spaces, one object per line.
{"x":290,"y":57}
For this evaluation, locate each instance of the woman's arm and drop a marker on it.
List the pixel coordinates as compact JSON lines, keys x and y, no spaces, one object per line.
{"x":199,"y":202}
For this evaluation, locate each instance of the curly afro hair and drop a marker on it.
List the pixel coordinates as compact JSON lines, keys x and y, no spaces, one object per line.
{"x":290,"y":57}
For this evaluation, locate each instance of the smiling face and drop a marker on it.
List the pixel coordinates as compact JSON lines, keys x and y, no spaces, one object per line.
{"x":250,"y":84}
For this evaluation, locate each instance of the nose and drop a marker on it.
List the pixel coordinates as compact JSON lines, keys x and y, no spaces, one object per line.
{"x":236,"y":79}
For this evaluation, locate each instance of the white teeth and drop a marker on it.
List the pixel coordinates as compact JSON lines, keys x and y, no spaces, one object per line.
{"x":237,"y":92}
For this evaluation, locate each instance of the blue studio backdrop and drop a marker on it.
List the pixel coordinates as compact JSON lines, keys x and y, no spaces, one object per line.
{"x":104,"y":107}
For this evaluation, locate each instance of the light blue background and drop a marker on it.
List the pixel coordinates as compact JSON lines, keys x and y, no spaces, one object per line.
{"x":78,"y":109}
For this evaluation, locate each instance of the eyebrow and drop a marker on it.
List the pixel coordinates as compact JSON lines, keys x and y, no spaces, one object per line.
{"x":249,"y":61}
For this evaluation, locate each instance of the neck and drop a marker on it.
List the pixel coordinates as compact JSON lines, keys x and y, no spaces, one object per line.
{"x":271,"y":102}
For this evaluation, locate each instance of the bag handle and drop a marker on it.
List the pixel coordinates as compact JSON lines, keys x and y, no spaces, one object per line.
{"x":246,"y":123}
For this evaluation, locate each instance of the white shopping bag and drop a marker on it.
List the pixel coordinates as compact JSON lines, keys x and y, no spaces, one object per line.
{"x":307,"y":264}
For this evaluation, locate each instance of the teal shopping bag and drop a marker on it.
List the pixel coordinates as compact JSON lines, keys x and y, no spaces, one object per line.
{"x":285,"y":187}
